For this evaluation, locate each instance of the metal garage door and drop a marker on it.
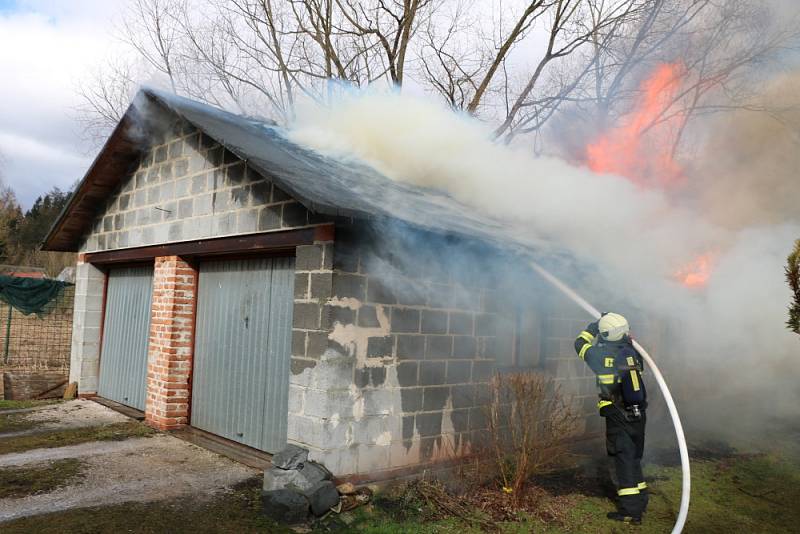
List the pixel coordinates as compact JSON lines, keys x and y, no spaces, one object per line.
{"x":126,"y":331}
{"x":243,"y":336}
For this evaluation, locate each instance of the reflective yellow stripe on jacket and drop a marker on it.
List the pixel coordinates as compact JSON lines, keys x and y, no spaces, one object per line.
{"x":603,"y":403}
{"x":606,"y":379}
{"x":582,"y":353}
{"x":588,"y":337}
{"x":627,"y":491}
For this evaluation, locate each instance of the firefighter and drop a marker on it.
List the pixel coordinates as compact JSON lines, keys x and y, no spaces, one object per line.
{"x":606,"y":347}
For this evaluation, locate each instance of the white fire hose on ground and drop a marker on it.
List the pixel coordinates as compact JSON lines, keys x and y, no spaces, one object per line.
{"x":684,"y":452}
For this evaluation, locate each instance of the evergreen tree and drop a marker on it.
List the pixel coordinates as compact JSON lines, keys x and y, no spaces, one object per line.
{"x":793,"y":277}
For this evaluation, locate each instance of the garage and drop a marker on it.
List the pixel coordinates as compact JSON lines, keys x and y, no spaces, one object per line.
{"x":242,"y":350}
{"x":126,"y":331}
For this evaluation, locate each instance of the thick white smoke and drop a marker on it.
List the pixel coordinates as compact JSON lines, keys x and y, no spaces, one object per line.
{"x":635,"y":238}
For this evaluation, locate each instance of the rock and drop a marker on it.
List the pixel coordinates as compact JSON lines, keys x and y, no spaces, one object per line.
{"x":314,"y":472}
{"x":284,"y":506}
{"x":322,"y":497}
{"x":301,"y":480}
{"x":291,"y":457}
{"x":277,"y":479}
{"x":346,"y":489}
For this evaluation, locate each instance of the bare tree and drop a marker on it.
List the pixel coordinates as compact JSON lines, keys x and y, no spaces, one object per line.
{"x":151,"y":29}
{"x":516,"y":63}
{"x":106,"y":94}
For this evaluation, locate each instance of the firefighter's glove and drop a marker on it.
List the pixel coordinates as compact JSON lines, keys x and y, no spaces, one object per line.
{"x":593,"y":328}
{"x":607,"y":410}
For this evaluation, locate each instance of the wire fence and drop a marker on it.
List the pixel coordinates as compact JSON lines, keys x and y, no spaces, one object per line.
{"x":37,"y":343}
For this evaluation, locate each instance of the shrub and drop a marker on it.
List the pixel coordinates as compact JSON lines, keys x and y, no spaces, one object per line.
{"x":530,"y":425}
{"x":793,"y":277}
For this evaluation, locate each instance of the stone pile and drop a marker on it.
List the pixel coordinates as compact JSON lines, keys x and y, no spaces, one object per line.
{"x":295,"y":486}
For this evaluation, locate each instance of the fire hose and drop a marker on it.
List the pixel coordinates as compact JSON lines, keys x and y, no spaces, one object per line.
{"x":684,"y":452}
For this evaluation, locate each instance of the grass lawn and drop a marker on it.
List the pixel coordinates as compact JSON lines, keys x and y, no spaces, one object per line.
{"x":20,"y":404}
{"x":74,"y":436}
{"x":42,"y":478}
{"x":734,"y":493}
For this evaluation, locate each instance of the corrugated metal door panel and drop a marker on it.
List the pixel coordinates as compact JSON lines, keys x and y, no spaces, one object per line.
{"x":126,"y":334}
{"x":242,"y":347}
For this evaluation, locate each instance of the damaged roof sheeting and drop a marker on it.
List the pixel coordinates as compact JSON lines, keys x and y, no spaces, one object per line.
{"x":322,"y":184}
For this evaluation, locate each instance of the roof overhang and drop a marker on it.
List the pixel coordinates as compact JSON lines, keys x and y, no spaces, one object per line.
{"x":115,"y":160}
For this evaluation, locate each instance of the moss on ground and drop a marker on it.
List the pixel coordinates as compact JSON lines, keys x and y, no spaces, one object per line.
{"x":735,"y":494}
{"x":74,"y":436}
{"x":15,"y":423}
{"x":22,"y":404}
{"x":22,"y":481}
{"x":230,"y":513}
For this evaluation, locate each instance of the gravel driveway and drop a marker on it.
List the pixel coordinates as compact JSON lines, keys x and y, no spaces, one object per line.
{"x":136,"y":469}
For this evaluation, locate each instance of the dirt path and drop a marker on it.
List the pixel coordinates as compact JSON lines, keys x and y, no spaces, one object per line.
{"x":139,"y":469}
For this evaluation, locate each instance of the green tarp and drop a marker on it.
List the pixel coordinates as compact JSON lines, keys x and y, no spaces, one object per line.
{"x":29,"y":295}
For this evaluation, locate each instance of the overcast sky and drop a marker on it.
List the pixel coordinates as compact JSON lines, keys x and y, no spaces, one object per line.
{"x":46,"y":46}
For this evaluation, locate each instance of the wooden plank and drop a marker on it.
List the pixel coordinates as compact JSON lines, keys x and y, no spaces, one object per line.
{"x":230,"y":449}
{"x":266,"y":242}
{"x":127,"y":411}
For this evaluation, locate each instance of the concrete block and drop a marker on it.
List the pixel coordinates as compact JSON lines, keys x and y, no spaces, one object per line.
{"x":326,"y":404}
{"x":317,"y":344}
{"x":438,"y":347}
{"x":306,"y":315}
{"x":380,"y":347}
{"x":294,"y":214}
{"x":432,"y":373}
{"x":296,"y":399}
{"x":334,"y":373}
{"x":461,"y":323}
{"x":410,"y":347}
{"x":411,"y":399}
{"x":380,"y":402}
{"x":459,"y":371}
{"x":407,"y":373}
{"x":405,"y":320}
{"x":434,"y":398}
{"x":434,"y":322}
{"x":373,"y":458}
{"x":464,"y":347}
{"x":379,"y":293}
{"x":348,"y":285}
{"x":369,"y":429}
{"x":240,"y":197}
{"x":340,"y":314}
{"x":428,"y":424}
{"x":269,"y":218}
{"x":321,"y":285}
{"x":247,"y":221}
{"x":203,"y":204}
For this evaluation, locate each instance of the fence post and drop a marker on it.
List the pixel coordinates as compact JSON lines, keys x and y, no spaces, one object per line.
{"x":8,"y":334}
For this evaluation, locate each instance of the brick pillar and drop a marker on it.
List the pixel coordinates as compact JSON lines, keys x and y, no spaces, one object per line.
{"x":169,"y":359}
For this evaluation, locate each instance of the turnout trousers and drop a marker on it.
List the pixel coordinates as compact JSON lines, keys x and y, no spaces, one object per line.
{"x":625,"y":445}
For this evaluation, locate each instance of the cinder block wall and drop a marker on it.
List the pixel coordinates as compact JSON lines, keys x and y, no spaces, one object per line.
{"x":185,"y":187}
{"x":397,"y":375}
{"x":189,"y":187}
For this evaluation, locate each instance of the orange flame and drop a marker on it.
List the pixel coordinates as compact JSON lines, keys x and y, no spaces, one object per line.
{"x":696,"y":273}
{"x":640,"y":147}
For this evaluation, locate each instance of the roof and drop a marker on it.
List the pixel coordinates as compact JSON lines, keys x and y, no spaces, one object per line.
{"x":324,"y":185}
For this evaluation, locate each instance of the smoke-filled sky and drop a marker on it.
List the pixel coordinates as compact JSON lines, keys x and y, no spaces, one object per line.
{"x":46,"y":47}
{"x":633,"y":238}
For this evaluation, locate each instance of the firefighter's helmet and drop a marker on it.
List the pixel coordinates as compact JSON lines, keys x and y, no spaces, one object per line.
{"x":613,"y":327}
